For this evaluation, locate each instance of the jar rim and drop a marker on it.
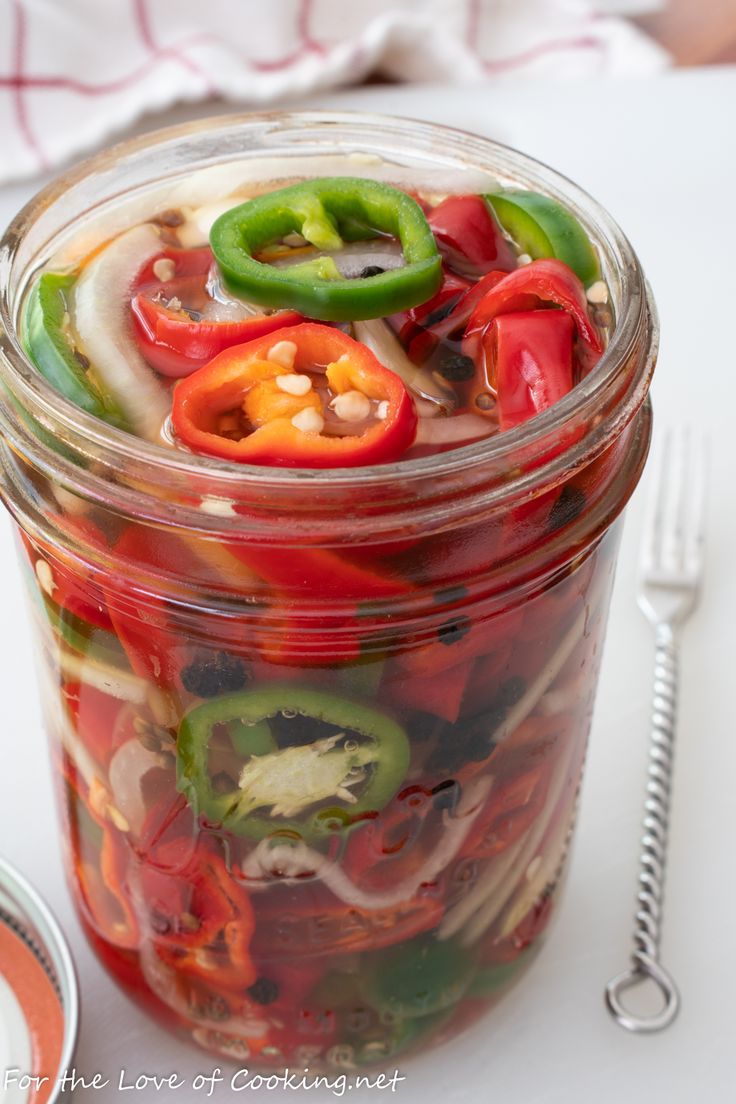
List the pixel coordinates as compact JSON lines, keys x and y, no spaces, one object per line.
{"x":634,"y":315}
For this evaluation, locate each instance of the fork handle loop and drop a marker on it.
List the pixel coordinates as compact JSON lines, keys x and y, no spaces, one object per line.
{"x":653,"y":857}
{"x":645,"y":969}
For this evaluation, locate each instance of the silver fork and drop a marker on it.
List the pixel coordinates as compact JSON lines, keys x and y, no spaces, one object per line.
{"x":669,"y":586}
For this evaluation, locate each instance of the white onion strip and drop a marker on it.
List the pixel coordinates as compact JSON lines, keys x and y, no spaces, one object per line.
{"x":379,"y":338}
{"x":499,"y":893}
{"x":123,"y":685}
{"x":108,"y":680}
{"x":556,"y":852}
{"x":128,"y":767}
{"x":291,"y":862}
{"x":101,"y":317}
{"x":544,"y":679}
{"x":498,"y":870}
{"x":59,"y":723}
{"x":452,"y":431}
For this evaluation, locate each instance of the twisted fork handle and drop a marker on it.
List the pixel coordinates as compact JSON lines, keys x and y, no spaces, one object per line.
{"x":647,"y":929}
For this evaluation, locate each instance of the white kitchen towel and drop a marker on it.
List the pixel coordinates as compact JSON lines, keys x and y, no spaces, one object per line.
{"x":74,"y":71}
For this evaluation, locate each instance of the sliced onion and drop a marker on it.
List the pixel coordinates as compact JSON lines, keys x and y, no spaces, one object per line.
{"x":457,"y":430}
{"x":128,"y":767}
{"x":196,"y":230}
{"x":353,"y":258}
{"x":293,"y":862}
{"x":382,"y":252}
{"x":59,"y":722}
{"x":427,"y":409}
{"x":123,"y":685}
{"x":385,"y":345}
{"x":501,"y":892}
{"x":117,"y":683}
{"x":224,"y":307}
{"x":101,"y":317}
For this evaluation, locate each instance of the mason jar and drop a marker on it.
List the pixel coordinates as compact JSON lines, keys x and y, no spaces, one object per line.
{"x":411,"y":649}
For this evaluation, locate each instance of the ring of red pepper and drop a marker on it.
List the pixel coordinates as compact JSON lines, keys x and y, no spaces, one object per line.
{"x":222,"y":385}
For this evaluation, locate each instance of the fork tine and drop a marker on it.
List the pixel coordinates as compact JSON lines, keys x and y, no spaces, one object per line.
{"x":676,"y":501}
{"x":695,"y":530}
{"x":655,"y":511}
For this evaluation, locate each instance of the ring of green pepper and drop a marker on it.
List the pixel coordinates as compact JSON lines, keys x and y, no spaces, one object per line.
{"x":325,"y":212}
{"x":246,"y":716}
{"x":47,"y":343}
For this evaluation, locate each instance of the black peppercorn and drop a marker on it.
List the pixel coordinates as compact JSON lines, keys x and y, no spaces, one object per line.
{"x":450,"y":595}
{"x":264,"y":991}
{"x":213,"y":673}
{"x":511,"y":691}
{"x":568,"y":505}
{"x":457,"y":368}
{"x":452,"y":631}
{"x":441,"y":313}
{"x":446,"y":795}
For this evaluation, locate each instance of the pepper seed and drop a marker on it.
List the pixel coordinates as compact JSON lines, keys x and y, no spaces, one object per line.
{"x":45,"y":577}
{"x":597,"y":292}
{"x":294,"y":384}
{"x":164,"y":269}
{"x":283,"y":353}
{"x":308,"y":421}
{"x":352,"y":406}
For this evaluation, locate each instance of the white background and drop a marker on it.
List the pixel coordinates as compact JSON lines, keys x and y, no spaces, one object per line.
{"x":660,"y":154}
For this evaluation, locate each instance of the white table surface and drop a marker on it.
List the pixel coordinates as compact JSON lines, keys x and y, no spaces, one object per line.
{"x":660,"y":154}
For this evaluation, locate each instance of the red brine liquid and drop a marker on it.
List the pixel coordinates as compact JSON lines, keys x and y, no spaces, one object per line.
{"x":319,"y":731}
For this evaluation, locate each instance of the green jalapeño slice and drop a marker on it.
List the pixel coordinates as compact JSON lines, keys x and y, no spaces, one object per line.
{"x":309,"y":790}
{"x":326,"y":212}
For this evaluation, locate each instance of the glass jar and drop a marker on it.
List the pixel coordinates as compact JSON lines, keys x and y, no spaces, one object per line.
{"x":411,"y":651}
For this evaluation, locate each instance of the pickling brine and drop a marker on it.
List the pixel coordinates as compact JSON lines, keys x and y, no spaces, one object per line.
{"x":317,"y":483}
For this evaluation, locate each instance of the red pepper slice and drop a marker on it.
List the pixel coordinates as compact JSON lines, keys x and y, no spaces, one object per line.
{"x":510,"y":811}
{"x":335,"y":636}
{"x":455,"y":322}
{"x":175,"y":343}
{"x":465,"y":226}
{"x":201,"y":921}
{"x":73,"y":586}
{"x":530,"y":357}
{"x":97,"y":719}
{"x":441,"y":696}
{"x":417,"y":327}
{"x":214,"y":397}
{"x":187,"y":262}
{"x":141,"y":619}
{"x":100,"y":855}
{"x":541,"y":282}
{"x":437,"y":308}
